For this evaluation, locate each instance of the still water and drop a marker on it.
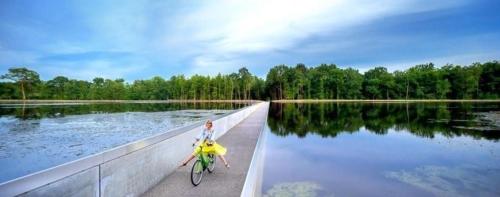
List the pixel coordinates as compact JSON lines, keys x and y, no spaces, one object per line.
{"x":355,"y":149}
{"x":37,"y":137}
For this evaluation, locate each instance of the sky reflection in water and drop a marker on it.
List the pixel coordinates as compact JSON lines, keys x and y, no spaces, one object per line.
{"x":381,"y":150}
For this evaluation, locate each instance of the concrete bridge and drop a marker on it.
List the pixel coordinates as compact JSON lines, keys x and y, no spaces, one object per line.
{"x":149,"y":167}
{"x":240,"y":141}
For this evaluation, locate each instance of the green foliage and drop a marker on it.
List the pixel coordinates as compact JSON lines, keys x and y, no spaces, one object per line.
{"x":25,"y":78}
{"x":378,"y":83}
{"x":275,"y":81}
{"x":326,"y":81}
{"x":241,"y":85}
{"x":489,"y":80}
{"x":8,"y":91}
{"x":352,"y":84}
{"x":477,"y":81}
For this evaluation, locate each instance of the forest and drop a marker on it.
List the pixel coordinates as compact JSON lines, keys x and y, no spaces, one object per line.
{"x":325,"y":81}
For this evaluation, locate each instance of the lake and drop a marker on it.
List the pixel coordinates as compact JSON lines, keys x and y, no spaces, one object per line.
{"x":381,"y":149}
{"x":35,"y":137}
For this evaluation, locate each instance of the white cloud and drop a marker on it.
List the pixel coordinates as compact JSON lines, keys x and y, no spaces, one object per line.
{"x":219,"y":28}
{"x":92,"y":69}
{"x":463,"y":59}
{"x":453,"y":181}
{"x":208,"y":37}
{"x":210,"y":65}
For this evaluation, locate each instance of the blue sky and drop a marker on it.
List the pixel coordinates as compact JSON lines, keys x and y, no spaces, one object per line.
{"x":141,"y":39}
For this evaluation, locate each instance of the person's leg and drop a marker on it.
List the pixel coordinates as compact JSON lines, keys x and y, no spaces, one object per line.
{"x":192,"y":156}
{"x":187,"y":160}
{"x":224,"y":160}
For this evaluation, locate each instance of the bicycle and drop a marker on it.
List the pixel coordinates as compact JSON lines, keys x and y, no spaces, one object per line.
{"x":203,"y":162}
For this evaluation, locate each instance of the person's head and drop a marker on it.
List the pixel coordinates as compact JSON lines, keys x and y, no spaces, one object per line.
{"x":208,"y":124}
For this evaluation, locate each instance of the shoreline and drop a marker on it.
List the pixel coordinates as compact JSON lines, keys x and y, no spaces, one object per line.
{"x":389,"y":101}
{"x":15,"y":101}
{"x":35,"y":101}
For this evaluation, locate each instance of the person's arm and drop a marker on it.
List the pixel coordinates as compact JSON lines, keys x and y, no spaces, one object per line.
{"x":197,"y":138}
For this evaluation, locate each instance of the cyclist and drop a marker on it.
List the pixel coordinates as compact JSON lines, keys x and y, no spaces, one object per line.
{"x":207,"y":137}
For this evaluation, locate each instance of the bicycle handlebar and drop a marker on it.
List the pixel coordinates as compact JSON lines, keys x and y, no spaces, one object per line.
{"x":208,"y":144}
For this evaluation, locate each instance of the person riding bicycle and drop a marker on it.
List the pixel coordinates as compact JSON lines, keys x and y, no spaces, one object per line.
{"x":207,"y":138}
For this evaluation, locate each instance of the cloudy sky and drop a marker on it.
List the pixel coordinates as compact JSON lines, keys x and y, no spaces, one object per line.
{"x":140,"y":39}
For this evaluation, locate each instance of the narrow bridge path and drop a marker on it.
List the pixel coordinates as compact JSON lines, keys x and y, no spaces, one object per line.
{"x":240,"y":142}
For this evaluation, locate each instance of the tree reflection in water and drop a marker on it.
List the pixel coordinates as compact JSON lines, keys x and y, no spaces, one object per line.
{"x":420,"y":119}
{"x":54,"y":110}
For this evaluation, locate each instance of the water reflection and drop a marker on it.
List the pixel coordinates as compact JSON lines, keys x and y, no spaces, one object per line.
{"x":54,"y":110}
{"x":421,"y":119}
{"x":452,"y":181}
{"x":398,"y":149}
{"x":302,"y":189}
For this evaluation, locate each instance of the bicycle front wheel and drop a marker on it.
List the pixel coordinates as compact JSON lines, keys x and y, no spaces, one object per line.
{"x":211,"y":163}
{"x":196,"y":173}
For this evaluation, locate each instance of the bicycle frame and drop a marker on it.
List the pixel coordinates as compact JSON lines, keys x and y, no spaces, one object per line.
{"x":204,"y":158}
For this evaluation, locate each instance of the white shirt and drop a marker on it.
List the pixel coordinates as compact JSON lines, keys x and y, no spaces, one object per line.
{"x":206,"y":134}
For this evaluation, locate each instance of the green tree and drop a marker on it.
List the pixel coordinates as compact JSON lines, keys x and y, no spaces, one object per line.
{"x":97,"y":89}
{"x":378,"y":83}
{"x":401,"y":84}
{"x":8,"y":90}
{"x":275,"y":81}
{"x":24,"y":77}
{"x":426,"y":79}
{"x":300,"y":81}
{"x":443,"y":86}
{"x":246,"y":81}
{"x":353,"y":84}
{"x":76,"y":89}
{"x":56,"y":87}
{"x":489,"y":80}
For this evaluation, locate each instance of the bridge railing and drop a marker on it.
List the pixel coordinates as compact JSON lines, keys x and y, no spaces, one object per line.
{"x":253,"y":180}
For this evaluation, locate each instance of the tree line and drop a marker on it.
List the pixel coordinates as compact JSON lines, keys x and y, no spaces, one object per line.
{"x":23,"y":83}
{"x":326,"y":81}
{"x":425,"y":81}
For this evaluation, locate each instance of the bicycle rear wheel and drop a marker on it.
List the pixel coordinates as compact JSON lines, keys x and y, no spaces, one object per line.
{"x":211,"y":163}
{"x":196,"y":173}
